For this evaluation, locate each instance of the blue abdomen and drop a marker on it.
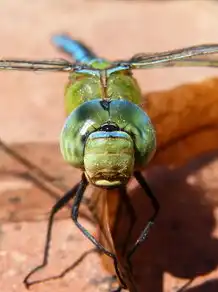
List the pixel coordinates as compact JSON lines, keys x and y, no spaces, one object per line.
{"x":78,"y":51}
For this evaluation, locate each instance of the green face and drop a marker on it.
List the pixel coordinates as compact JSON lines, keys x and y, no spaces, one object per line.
{"x":108,"y":156}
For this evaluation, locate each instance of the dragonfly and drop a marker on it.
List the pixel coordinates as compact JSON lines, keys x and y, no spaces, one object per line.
{"x":108,"y":136}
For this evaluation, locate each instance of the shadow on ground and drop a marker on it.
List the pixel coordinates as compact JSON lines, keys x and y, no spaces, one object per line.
{"x":181,"y":243}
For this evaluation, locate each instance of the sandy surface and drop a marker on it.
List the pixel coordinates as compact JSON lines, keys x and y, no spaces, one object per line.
{"x":184,"y":243}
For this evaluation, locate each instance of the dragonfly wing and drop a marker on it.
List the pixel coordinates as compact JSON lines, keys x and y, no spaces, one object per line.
{"x":108,"y":205}
{"x":180,"y":57}
{"x":39,"y":65}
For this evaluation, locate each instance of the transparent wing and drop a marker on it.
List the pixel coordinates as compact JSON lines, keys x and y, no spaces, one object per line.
{"x":178,"y":58}
{"x":193,"y":62}
{"x":59,"y":65}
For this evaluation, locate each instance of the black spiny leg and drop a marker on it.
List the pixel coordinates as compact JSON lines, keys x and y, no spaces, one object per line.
{"x":125,"y":199}
{"x":75,"y":213}
{"x":155,"y":204}
{"x":60,"y":204}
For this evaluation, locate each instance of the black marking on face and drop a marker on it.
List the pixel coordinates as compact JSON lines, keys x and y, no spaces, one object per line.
{"x":109,"y":127}
{"x":105,"y":104}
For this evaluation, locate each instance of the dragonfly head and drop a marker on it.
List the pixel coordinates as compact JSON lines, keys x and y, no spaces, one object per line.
{"x":108,"y":140}
{"x":109,"y":157}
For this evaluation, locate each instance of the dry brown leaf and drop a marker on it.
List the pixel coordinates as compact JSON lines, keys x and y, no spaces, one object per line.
{"x":186,"y":121}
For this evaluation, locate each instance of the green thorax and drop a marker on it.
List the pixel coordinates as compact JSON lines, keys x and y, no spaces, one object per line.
{"x":86,"y":85}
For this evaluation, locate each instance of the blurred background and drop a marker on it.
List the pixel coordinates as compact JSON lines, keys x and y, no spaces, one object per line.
{"x":184,"y":245}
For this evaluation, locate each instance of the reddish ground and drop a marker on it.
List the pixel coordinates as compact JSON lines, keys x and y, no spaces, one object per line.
{"x":183,"y":245}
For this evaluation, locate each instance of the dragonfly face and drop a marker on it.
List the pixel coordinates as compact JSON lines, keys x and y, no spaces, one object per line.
{"x":109,"y":158}
{"x":108,"y":140}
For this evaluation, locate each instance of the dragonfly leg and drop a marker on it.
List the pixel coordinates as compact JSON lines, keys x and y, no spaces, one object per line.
{"x":143,"y":236}
{"x":75,"y":213}
{"x":39,"y":176}
{"x":113,"y":285}
{"x":60,"y":204}
{"x":91,"y":205}
{"x":112,"y":288}
{"x":132,"y":216}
